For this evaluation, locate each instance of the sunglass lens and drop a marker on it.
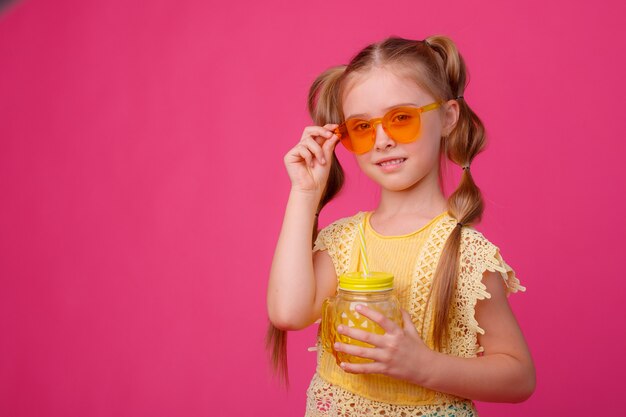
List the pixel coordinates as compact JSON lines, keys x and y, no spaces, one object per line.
{"x":356,"y":136}
{"x":404,"y":124}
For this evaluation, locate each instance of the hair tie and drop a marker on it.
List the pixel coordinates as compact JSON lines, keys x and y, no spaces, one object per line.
{"x":466,"y":167}
{"x":460,"y":224}
{"x":317,"y":214}
{"x":458,"y":97}
{"x":426,"y":42}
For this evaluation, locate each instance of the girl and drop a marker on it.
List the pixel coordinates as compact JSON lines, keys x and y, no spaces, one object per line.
{"x":399,"y":107}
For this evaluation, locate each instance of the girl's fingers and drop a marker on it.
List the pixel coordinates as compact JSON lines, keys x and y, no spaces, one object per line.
{"x":362,"y":368}
{"x":360,"y":351}
{"x":314,"y":140}
{"x":384,"y":322}
{"x":361,"y":335}
{"x":408,"y":323}
{"x":329,"y":145}
{"x":315,"y":148}
{"x":315,"y":131}
{"x":305,"y":154}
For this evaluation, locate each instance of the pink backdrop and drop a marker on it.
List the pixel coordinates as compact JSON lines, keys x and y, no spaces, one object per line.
{"x":143,"y":189}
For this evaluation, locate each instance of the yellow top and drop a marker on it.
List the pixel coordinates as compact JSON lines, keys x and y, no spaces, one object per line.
{"x":394,"y":254}
{"x":412,"y":259}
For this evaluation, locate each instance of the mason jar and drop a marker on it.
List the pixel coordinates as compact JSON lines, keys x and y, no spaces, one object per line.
{"x":374,"y":291}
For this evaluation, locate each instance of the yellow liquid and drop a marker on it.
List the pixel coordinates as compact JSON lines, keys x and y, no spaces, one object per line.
{"x":342,"y":312}
{"x":352,"y":318}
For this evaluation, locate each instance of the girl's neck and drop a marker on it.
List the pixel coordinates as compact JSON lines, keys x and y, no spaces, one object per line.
{"x":424,"y":199}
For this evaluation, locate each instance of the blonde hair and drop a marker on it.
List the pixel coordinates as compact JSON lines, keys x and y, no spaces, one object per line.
{"x":435,"y":65}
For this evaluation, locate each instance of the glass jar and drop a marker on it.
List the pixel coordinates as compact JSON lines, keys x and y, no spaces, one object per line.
{"x":374,"y":291}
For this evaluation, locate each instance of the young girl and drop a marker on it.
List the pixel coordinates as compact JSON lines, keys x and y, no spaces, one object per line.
{"x":398,"y":106}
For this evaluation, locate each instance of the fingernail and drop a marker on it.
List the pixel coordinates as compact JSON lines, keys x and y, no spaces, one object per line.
{"x":340,"y":328}
{"x":323,"y":161}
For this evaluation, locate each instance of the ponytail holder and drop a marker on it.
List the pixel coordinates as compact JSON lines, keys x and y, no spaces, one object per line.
{"x":458,"y":97}
{"x":460,"y":224}
{"x":466,"y":167}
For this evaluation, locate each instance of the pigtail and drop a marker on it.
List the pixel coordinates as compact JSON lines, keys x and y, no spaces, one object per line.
{"x":324,"y":107}
{"x":465,"y":141}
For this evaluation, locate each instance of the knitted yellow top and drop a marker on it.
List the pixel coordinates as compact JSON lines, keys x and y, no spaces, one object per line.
{"x":412,"y":258}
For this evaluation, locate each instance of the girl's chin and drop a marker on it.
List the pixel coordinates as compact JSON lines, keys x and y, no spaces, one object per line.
{"x":396,"y":184}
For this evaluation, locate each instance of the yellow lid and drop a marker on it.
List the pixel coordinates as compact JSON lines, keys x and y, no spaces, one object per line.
{"x":358,"y":281}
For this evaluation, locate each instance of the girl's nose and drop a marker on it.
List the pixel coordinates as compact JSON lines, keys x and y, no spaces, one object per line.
{"x":382,"y":141}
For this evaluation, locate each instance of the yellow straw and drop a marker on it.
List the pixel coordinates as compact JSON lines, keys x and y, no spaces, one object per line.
{"x":363,"y":250}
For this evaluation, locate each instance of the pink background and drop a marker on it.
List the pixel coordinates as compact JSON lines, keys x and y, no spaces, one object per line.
{"x":143,"y":189}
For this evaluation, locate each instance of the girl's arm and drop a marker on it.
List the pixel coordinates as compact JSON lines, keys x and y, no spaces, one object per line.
{"x":299,"y":281}
{"x":504,"y":374}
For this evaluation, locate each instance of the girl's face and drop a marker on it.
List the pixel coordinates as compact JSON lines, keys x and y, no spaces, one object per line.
{"x":370,"y":95}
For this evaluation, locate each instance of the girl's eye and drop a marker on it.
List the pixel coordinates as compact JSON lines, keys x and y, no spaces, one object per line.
{"x":362,"y":126}
{"x":401,"y":118}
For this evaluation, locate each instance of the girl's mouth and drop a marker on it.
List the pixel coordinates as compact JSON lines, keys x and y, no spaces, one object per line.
{"x":392,"y":164}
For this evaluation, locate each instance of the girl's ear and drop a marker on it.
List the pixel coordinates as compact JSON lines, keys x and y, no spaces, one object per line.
{"x":450,"y":116}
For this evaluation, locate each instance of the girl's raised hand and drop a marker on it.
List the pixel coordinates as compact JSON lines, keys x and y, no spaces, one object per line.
{"x":308,"y":163}
{"x":399,"y":353}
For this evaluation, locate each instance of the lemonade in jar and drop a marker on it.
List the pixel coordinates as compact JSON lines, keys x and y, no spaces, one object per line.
{"x":373,"y":290}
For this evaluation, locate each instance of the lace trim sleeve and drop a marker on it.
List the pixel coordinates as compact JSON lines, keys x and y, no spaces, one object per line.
{"x":480,"y":255}
{"x":508,"y":274}
{"x":337,"y":238}
{"x":328,"y":239}
{"x":321,"y":241}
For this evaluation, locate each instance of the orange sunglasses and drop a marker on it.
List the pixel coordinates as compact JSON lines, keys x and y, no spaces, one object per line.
{"x":401,"y":124}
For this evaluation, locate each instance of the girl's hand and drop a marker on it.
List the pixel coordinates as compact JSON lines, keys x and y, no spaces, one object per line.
{"x":308,"y":163}
{"x":399,"y":353}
